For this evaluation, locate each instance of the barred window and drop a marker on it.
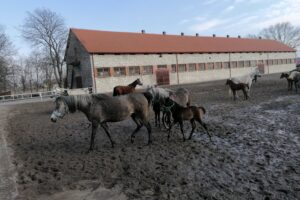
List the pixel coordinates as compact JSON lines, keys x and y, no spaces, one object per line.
{"x":218,"y":65}
{"x":241,"y":63}
{"x":103,"y":72}
{"x":270,"y":62}
{"x":202,"y":66}
{"x":233,"y":64}
{"x":173,"y":68}
{"x":279,"y":61}
{"x":283,"y":61}
{"x":148,"y":69}
{"x":210,"y":66}
{"x":247,"y":63}
{"x":134,"y":70}
{"x":119,"y":71}
{"x":181,"y":68}
{"x":192,"y":67}
{"x":275,"y":62}
{"x":253,"y":63}
{"x":225,"y":65}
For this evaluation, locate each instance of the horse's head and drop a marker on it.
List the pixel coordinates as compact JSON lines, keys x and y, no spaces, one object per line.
{"x":61,"y":109}
{"x":227,"y":82}
{"x":284,"y":75}
{"x":138,"y":81}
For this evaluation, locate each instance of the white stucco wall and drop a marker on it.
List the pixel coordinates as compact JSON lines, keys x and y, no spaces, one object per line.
{"x":108,"y":83}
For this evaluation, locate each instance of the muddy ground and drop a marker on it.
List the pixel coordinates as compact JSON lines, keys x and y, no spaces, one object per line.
{"x":255,"y":152}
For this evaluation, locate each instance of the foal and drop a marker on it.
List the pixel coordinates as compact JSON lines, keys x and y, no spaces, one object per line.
{"x":290,"y":82}
{"x":191,"y":113}
{"x":120,"y":90}
{"x":239,"y":86}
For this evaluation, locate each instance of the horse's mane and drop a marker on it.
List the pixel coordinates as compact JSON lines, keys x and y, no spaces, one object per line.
{"x":77,"y":101}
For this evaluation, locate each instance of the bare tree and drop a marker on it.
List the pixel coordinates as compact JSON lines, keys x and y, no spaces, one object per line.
{"x":46,"y":29}
{"x":6,"y":50}
{"x":283,"y":32}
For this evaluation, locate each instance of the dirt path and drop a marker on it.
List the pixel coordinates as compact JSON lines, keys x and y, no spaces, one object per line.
{"x":8,"y":188}
{"x":255,"y":152}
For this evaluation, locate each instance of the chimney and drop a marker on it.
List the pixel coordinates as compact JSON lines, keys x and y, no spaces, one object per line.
{"x":164,"y":32}
{"x":214,"y":35}
{"x":182,"y":33}
{"x":227,"y":36}
{"x":143,"y":31}
{"x":239,"y":36}
{"x":197,"y":34}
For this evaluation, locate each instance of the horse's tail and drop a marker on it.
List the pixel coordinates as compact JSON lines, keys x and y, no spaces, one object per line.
{"x":115,"y":92}
{"x":149,"y":97}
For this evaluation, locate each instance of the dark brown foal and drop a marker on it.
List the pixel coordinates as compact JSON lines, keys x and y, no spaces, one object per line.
{"x":238,"y":86}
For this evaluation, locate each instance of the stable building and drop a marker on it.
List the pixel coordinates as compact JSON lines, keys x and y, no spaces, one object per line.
{"x":104,"y":59}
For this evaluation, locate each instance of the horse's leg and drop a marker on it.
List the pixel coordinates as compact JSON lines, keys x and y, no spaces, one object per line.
{"x":205,"y":127}
{"x":234,"y":94}
{"x":181,"y":129}
{"x":193,"y":128}
{"x":148,"y":126}
{"x":245,"y":94}
{"x":94,"y":131}
{"x":138,"y":127}
{"x":105,"y":127}
{"x":170,"y":127}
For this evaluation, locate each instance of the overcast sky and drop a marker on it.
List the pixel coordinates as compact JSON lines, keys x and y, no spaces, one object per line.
{"x":222,"y":17}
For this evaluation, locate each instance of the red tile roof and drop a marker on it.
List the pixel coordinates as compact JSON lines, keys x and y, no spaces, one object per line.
{"x":121,"y":42}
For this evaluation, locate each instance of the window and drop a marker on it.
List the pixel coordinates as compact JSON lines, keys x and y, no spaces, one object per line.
{"x":283,"y":61}
{"x":173,"y":68}
{"x":275,"y":62}
{"x":148,"y":69}
{"x":103,"y":72}
{"x":161,"y":66}
{"x":119,"y":71}
{"x":270,"y":62}
{"x":201,"y":66}
{"x":192,"y":67}
{"x":218,"y":65}
{"x":252,"y":63}
{"x":247,"y":63}
{"x":134,"y":70}
{"x":279,"y":61}
{"x":210,"y":66}
{"x":233,"y":64}
{"x":181,"y":68}
{"x":225,"y":65}
{"x":241,"y":63}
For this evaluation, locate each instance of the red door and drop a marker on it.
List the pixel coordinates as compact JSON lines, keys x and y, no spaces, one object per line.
{"x":162,"y":77}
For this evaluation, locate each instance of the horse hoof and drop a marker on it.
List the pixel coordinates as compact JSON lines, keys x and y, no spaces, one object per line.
{"x":132,"y":140}
{"x":149,"y":142}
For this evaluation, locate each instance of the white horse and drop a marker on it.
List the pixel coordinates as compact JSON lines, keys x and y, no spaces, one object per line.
{"x":247,"y":78}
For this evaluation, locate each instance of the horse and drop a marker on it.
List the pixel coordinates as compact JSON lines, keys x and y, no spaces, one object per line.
{"x":100,"y":109}
{"x":159,"y":95}
{"x":120,"y":90}
{"x":290,"y":82}
{"x":240,"y":86}
{"x":181,"y":96}
{"x":293,"y":78}
{"x":247,"y":78}
{"x":191,"y":113}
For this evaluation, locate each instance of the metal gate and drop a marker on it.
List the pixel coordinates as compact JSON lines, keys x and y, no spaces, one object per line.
{"x":162,"y":77}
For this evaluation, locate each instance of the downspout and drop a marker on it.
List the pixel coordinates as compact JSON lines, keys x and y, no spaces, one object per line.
{"x":177,"y":69}
{"x":229,"y":66}
{"x":268,"y":63}
{"x":93,"y":74}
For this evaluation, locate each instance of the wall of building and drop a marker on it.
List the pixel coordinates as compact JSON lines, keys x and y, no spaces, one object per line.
{"x":84,"y":70}
{"x":106,"y":84}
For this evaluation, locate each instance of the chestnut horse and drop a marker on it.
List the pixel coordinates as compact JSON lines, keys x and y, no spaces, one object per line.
{"x":126,"y":89}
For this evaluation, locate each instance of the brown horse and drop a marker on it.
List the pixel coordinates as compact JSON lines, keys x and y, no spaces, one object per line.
{"x":120,"y":90}
{"x":191,"y":113}
{"x":239,"y":86}
{"x":100,"y":109}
